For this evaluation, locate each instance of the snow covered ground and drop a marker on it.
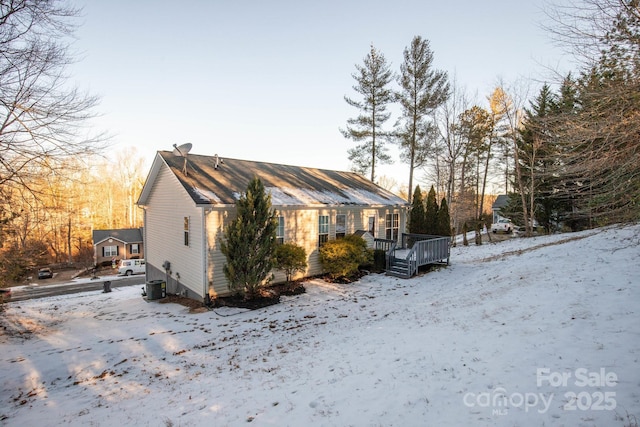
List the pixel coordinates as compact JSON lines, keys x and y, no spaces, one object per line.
{"x":526,"y":332}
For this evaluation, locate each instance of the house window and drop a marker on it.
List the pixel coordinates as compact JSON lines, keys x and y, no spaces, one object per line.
{"x":341,"y":226}
{"x":135,"y":248}
{"x":186,"y":231}
{"x":391,"y":226}
{"x":280,"y":231}
{"x":323,"y":229}
{"x":110,"y":251}
{"x":372,"y":226}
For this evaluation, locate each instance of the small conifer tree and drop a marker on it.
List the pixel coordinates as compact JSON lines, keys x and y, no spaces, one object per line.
{"x":250,"y":242}
{"x":431,"y":212}
{"x":417,"y":217}
{"x":444,"y":220}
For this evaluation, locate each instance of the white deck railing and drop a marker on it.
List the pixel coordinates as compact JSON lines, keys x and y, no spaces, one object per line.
{"x":418,"y":250}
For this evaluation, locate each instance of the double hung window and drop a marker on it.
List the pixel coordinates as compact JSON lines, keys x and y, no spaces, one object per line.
{"x":392,"y":223}
{"x":323,"y":229}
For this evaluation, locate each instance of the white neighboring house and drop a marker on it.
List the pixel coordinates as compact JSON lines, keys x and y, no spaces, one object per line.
{"x":188,"y":203}
{"x":501,"y":201}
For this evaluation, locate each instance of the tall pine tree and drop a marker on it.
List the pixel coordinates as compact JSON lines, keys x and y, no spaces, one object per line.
{"x":373,"y":79}
{"x":250,"y":242}
{"x":423,"y":89}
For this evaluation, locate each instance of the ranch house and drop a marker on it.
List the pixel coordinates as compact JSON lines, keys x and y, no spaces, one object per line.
{"x":188,"y":201}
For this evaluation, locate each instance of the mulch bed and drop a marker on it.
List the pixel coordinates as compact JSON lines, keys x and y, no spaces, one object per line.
{"x":269,"y":296}
{"x":289,"y":289}
{"x":342,"y":280}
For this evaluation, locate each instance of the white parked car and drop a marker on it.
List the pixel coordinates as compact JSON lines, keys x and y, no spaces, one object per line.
{"x":503,"y":224}
{"x":131,"y":266}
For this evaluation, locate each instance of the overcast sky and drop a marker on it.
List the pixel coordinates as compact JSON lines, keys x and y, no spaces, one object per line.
{"x":266,"y":80}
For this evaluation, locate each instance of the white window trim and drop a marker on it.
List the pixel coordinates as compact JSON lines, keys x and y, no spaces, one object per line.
{"x":327,"y":225}
{"x":344,"y":229}
{"x":280,"y":230}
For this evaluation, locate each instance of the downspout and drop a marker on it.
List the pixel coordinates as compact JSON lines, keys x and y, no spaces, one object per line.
{"x":205,"y":249}
{"x":144,"y":241}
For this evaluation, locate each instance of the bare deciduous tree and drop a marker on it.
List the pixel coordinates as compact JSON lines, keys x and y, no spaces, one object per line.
{"x":451,"y":143}
{"x":495,"y":130}
{"x":586,"y":28}
{"x":41,"y":114}
{"x":52,"y":220}
{"x":43,"y":138}
{"x":474,"y":129}
{"x":511,"y":103}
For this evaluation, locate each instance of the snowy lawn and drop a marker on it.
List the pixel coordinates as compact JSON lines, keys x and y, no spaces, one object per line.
{"x":526,"y":332}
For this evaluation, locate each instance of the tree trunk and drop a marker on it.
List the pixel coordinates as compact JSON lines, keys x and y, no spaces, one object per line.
{"x":373,"y":147}
{"x":69,"y":240}
{"x":529,"y":224}
{"x":525,"y":211}
{"x":411,"y":166}
{"x":484,"y":179}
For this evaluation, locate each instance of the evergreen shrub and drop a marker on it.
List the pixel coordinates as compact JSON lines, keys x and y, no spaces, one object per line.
{"x":343,"y":257}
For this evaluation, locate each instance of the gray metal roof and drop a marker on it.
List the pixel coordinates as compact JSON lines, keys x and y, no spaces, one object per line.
{"x":124,"y":235}
{"x":288,"y":185}
{"x":501,"y":201}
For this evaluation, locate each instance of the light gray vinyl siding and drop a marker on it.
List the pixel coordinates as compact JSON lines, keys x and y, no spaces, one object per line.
{"x":215,"y":220}
{"x":167,"y":205}
{"x":301,"y":228}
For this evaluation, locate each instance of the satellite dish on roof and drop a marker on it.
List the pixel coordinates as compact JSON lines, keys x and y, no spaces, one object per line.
{"x":182,"y":150}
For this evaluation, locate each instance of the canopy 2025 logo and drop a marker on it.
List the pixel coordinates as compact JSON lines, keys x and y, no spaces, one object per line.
{"x":584,"y":399}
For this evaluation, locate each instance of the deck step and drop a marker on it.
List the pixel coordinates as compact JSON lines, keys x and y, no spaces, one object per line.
{"x":404,"y":261}
{"x":399,"y":268}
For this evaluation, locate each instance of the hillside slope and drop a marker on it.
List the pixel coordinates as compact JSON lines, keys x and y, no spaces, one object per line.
{"x":542,"y":331}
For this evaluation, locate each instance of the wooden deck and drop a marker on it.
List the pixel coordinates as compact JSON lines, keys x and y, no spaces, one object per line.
{"x":415,"y":250}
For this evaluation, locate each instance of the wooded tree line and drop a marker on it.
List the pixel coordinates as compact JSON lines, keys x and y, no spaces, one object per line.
{"x":569,"y":156}
{"x":458,"y":144}
{"x":55,"y":186}
{"x":578,"y":147}
{"x":51,"y":218}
